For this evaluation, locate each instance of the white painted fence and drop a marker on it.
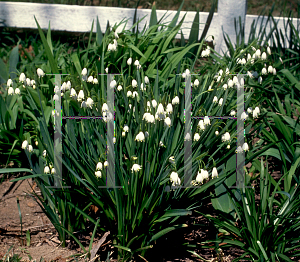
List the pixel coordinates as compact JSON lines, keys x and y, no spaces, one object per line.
{"x":75,"y":18}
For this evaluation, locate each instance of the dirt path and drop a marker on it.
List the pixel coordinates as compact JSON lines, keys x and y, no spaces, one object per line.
{"x":43,"y":239}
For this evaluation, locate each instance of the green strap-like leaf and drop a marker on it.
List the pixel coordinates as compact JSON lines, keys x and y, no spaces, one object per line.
{"x":52,"y":62}
{"x":153,"y":16}
{"x":3,"y":71}
{"x":166,"y":230}
{"x":99,"y":36}
{"x":13,"y":61}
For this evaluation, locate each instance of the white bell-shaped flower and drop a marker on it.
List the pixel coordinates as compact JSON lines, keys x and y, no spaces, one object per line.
{"x":154,"y":103}
{"x":206,"y":120}
{"x":270,"y":69}
{"x":80,"y":96}
{"x":187,"y":137}
{"x":84,"y":72}
{"x":201,"y":124}
{"x":98,"y":174}
{"x":196,"y":137}
{"x":40,"y":72}
{"x":220,"y":101}
{"x":30,"y":148}
{"x":135,"y":94}
{"x":104,"y":107}
{"x":10,"y":91}
{"x":9,"y":83}
{"x":89,"y":102}
{"x":199,"y":178}
{"x":169,"y":109}
{"x":257,"y":53}
{"x":113,"y":84}
{"x":175,"y":100}
{"x":46,"y":170}
{"x":160,"y":111}
{"x":244,"y":116}
{"x":134,"y":83}
{"x":245,"y":147}
{"x":90,"y":79}
{"x":239,"y":150}
{"x":232,"y":113}
{"x":168,"y":121}
{"x":22,"y":78}
{"x":230,"y":83}
{"x":140,"y":137}
{"x":226,"y":137}
{"x":136,"y":168}
{"x":214,"y":172}
{"x":73,"y":93}
{"x":24,"y":144}
{"x":235,"y":80}
{"x":174,"y":178}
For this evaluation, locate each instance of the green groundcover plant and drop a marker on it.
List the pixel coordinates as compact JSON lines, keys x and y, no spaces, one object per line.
{"x":269,"y":232}
{"x":149,"y":147}
{"x":149,"y":128}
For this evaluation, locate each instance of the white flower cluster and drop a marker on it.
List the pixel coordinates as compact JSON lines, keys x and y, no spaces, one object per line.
{"x":47,"y":169}
{"x":241,"y":61}
{"x":26,"y":146}
{"x":215,"y":100}
{"x":257,"y":55}
{"x":186,"y":73}
{"x":240,"y":149}
{"x":203,"y":175}
{"x":270,"y":70}
{"x":89,"y":79}
{"x":203,"y":123}
{"x":136,"y":63}
{"x":174,"y":178}
{"x":125,"y":129}
{"x":23,"y":80}
{"x":107,"y":116}
{"x":206,"y":52}
{"x":113,"y":47}
{"x":161,"y":113}
{"x":148,"y":117}
{"x":98,"y":168}
{"x":226,"y":137}
{"x":255,"y":112}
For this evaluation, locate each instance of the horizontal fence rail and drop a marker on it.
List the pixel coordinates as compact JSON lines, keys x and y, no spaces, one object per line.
{"x":74,"y":18}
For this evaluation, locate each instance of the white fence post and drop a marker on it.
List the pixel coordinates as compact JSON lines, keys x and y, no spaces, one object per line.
{"x":227,"y":11}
